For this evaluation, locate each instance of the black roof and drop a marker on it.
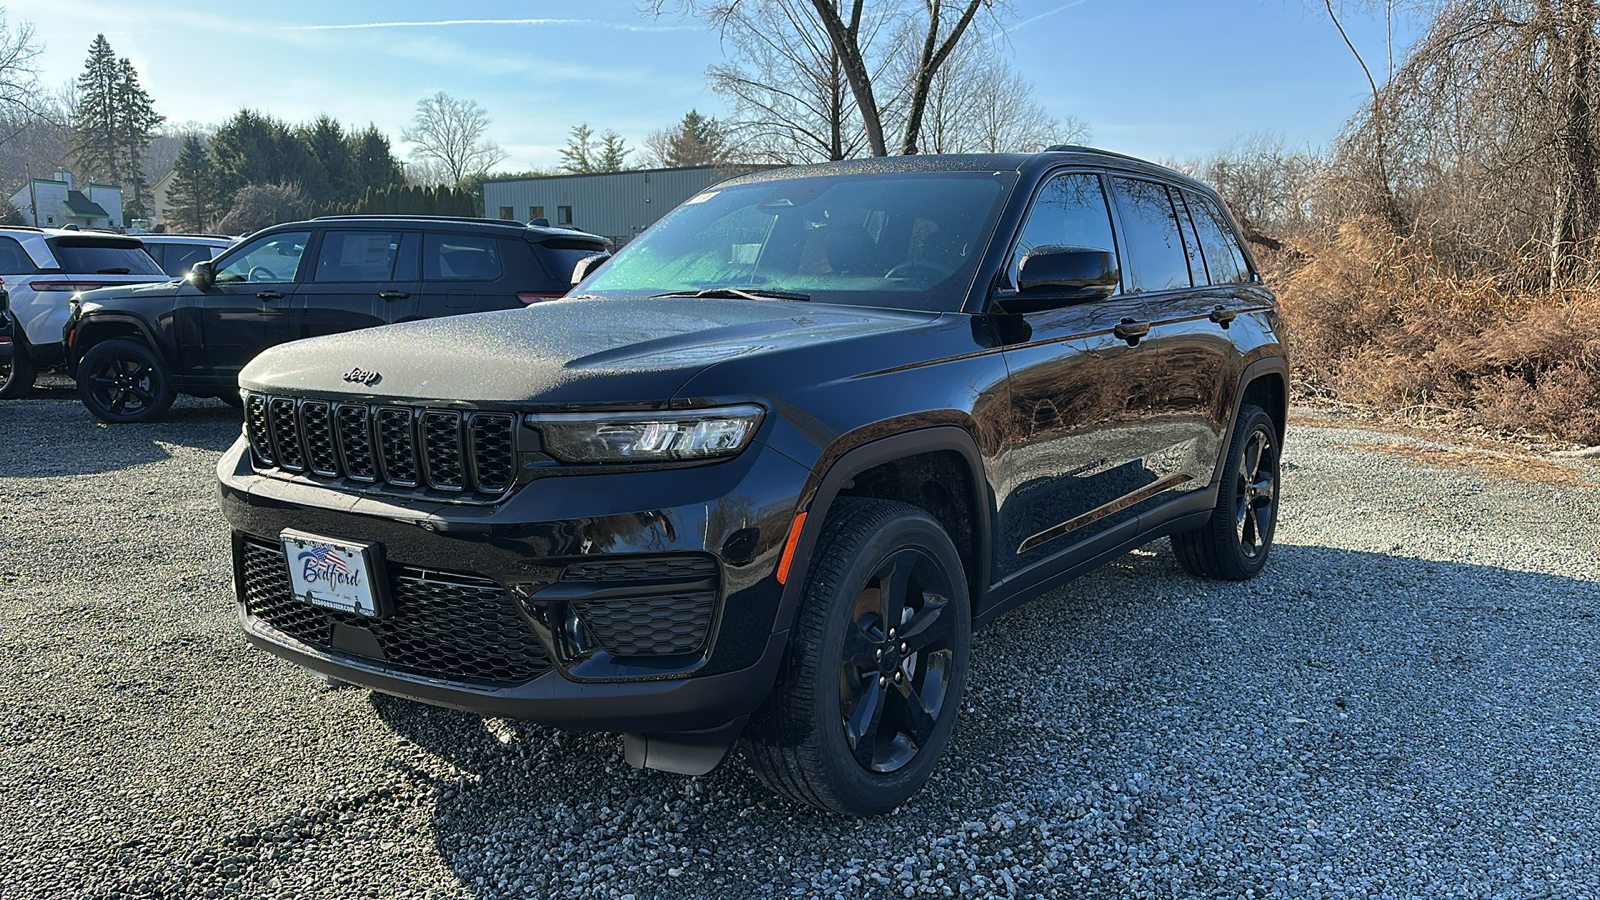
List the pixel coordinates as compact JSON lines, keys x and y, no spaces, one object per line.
{"x":974,"y":162}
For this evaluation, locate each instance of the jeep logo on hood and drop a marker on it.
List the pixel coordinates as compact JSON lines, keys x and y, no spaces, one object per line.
{"x":362,"y":376}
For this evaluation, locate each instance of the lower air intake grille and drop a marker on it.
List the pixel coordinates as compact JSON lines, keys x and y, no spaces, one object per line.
{"x":667,"y":610}
{"x":450,"y":626}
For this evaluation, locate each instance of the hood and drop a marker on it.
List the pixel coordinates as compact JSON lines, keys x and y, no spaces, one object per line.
{"x":618,"y":352}
{"x":132,"y":286}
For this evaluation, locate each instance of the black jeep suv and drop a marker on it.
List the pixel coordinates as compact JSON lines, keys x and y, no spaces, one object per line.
{"x":763,"y":472}
{"x":134,"y":349}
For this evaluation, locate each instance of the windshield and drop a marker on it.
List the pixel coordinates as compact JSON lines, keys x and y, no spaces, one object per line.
{"x":900,"y":240}
{"x":91,"y":256}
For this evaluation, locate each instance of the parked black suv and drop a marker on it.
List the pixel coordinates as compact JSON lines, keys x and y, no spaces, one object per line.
{"x":764,"y":471}
{"x":133,"y":350}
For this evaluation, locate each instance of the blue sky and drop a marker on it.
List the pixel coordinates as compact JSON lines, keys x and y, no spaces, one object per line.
{"x":1155,"y":78}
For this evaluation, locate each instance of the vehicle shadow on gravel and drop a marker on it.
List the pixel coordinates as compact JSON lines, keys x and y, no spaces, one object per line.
{"x":1139,"y":730}
{"x":50,"y":434}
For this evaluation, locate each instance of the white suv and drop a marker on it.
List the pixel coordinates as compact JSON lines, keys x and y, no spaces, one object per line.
{"x":42,"y":268}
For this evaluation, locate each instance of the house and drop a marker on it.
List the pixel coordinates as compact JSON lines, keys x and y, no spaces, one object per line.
{"x":54,"y":202}
{"x":615,"y":205}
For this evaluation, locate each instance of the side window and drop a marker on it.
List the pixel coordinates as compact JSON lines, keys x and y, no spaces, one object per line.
{"x":1150,"y":228}
{"x":178,"y":259}
{"x":1223,"y":256}
{"x":460,"y":257}
{"x":273,"y":259}
{"x":158,"y":252}
{"x":14,"y":260}
{"x":1071,"y":212}
{"x":364,"y":256}
{"x":1197,"y":262}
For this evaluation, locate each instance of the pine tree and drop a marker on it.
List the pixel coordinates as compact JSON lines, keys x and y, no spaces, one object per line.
{"x":136,"y":118}
{"x":112,"y":123}
{"x":613,"y":153}
{"x":95,"y":121}
{"x":578,"y":155}
{"x":698,"y":142}
{"x":193,"y":191}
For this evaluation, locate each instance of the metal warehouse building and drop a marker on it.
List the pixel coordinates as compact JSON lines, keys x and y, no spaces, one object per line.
{"x":616,"y":205}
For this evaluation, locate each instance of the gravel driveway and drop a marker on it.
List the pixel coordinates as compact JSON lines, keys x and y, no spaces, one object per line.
{"x":1406,"y":703}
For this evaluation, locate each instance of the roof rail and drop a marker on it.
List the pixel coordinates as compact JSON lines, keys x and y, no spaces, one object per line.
{"x":473,"y":219}
{"x":1079,"y":148}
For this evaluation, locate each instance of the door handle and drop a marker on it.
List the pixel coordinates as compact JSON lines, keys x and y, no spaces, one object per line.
{"x":1222,"y":315}
{"x":393,"y":295}
{"x":269,"y":295}
{"x":1131,"y":330}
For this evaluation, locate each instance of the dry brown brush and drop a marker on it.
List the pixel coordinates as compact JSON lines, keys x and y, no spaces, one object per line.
{"x":1385,"y":320}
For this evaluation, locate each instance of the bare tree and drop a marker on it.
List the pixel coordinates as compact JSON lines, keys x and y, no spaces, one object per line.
{"x":845,"y":48}
{"x":19,"y":74}
{"x":785,"y":81}
{"x":979,"y":104}
{"x":451,"y":132}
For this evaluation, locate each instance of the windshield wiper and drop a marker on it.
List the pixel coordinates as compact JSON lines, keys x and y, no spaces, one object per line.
{"x":122,"y":271}
{"x":734,"y":293}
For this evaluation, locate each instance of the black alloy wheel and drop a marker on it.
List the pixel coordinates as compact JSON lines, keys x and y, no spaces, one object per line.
{"x":1255,"y":493}
{"x":123,"y":381}
{"x":897,"y":655}
{"x":1235,"y":541}
{"x":870,"y":690}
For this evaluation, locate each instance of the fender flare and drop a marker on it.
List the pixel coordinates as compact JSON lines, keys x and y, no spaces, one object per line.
{"x":74,"y":354}
{"x":869,"y":455}
{"x":1272,"y":365}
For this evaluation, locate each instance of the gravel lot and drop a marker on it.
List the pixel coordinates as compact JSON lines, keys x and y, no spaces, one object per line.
{"x":1405,"y":704}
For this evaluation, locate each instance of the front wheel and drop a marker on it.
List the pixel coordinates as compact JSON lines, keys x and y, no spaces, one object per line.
{"x":872,"y":685}
{"x":1234,"y":542}
{"x":16,"y":376}
{"x":123,"y":381}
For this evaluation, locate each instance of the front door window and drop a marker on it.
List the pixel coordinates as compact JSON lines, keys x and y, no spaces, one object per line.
{"x":272,"y":259}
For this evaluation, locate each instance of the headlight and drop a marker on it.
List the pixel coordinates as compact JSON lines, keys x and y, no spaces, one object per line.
{"x":647,"y":437}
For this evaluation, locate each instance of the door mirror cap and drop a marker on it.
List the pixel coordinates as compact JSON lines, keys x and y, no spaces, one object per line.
{"x":1053,"y":275}
{"x":203,"y":273}
{"x":587,"y":265}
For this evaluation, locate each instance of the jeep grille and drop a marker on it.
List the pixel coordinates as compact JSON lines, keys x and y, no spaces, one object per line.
{"x":470,"y":455}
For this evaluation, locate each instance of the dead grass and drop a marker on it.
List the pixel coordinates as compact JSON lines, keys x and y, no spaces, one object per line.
{"x":1385,"y":321}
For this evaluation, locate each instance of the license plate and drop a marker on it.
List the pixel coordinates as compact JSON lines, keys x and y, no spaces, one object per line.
{"x":332,"y":574}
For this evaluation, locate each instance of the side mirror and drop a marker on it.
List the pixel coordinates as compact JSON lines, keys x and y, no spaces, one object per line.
{"x":587,"y":265}
{"x":203,"y":274}
{"x":1052,"y":276}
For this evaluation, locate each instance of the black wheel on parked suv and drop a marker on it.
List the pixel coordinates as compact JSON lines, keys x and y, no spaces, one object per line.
{"x":16,"y":376}
{"x":124,"y":381}
{"x":872,"y":684}
{"x":1235,"y":542}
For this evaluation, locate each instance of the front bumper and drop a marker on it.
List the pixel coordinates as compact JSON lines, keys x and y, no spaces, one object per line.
{"x":735,"y":514}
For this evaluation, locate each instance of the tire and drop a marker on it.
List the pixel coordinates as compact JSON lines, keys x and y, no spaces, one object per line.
{"x":1234,"y":544}
{"x":834,"y":680}
{"x":16,"y":378}
{"x":123,"y":381}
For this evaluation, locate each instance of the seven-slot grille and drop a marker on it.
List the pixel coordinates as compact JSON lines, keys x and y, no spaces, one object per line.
{"x":408,"y":447}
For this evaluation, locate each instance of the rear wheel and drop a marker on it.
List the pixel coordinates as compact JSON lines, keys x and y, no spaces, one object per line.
{"x":870,"y":691}
{"x":1234,"y":543}
{"x":16,"y":376}
{"x":123,"y":381}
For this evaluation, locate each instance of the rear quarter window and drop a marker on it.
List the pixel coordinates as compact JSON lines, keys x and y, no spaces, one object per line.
{"x":560,"y":258}
{"x":460,"y":257}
